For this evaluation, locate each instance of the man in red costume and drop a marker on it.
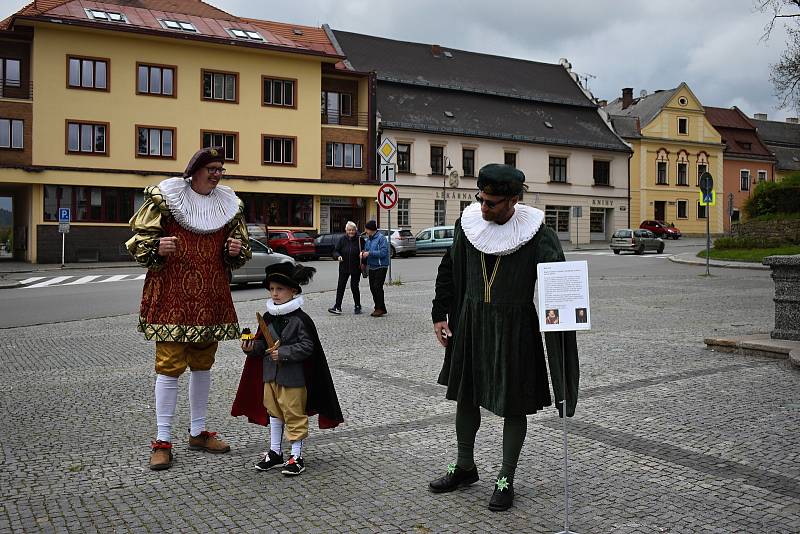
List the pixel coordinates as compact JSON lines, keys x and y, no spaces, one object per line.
{"x":189,"y":233}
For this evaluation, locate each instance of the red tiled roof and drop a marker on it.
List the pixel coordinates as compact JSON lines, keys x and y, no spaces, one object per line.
{"x":309,"y":36}
{"x":728,"y":118}
{"x":209,"y":21}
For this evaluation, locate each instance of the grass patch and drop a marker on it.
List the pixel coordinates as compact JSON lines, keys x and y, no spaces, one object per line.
{"x":755,"y":255}
{"x":394,"y":282}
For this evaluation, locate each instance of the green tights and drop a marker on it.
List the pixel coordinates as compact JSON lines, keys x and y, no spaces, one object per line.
{"x":468,"y":420}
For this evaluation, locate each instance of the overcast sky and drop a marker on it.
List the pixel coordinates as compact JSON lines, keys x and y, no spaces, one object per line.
{"x":712,"y":45}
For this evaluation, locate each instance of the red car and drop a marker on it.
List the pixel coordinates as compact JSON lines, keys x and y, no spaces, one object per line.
{"x":298,"y":245}
{"x":661,"y":229}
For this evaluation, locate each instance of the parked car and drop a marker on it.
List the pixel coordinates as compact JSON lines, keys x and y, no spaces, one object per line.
{"x":325,"y":243}
{"x":636,"y":241}
{"x":661,"y":229}
{"x":253,"y":270}
{"x":296,"y":244}
{"x":401,"y":242}
{"x":434,"y":239}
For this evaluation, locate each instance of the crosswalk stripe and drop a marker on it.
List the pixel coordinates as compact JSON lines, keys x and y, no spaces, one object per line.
{"x":114,"y":278}
{"x":56,"y":280}
{"x":83,"y":280}
{"x":32,"y":279}
{"x":140,"y":277}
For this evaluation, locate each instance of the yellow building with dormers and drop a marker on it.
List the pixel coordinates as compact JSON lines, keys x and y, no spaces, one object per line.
{"x":673,"y":145}
{"x":97,"y":104}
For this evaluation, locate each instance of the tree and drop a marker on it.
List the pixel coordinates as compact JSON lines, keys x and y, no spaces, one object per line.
{"x":785,"y":74}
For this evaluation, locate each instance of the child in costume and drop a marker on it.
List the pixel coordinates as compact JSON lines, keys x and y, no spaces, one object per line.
{"x":286,"y":371}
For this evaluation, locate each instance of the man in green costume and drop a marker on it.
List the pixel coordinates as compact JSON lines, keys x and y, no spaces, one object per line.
{"x":484,"y":316}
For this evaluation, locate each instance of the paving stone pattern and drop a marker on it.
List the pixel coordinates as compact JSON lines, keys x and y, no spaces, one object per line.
{"x":668,"y":436}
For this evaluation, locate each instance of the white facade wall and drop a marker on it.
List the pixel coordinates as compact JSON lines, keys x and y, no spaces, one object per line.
{"x":422,"y":188}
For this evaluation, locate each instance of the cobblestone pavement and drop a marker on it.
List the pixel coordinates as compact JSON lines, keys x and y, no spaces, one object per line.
{"x":668,"y":437}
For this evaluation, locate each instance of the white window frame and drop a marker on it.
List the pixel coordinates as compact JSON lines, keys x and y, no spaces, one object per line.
{"x":685,"y":204}
{"x":403,"y":211}
{"x":156,"y":151}
{"x":762,"y":175}
{"x":8,"y":125}
{"x":229,"y":140}
{"x":182,"y":25}
{"x":687,"y":125}
{"x":742,"y":174}
{"x":109,"y":16}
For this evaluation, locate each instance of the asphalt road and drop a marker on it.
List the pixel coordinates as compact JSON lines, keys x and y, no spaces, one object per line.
{"x":78,"y":294}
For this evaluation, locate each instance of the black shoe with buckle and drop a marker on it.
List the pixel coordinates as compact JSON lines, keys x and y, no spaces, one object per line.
{"x":503,"y":496}
{"x":455,"y":478}
{"x":271,"y":460}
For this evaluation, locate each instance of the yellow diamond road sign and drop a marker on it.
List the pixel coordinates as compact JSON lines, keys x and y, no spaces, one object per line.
{"x":387,"y":150}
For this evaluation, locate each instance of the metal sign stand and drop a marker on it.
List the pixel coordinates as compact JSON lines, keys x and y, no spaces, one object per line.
{"x":389,"y":238}
{"x":564,"y":431}
{"x":707,"y":187}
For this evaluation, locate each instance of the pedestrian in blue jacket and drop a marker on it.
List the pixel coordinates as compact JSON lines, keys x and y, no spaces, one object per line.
{"x":376,"y":253}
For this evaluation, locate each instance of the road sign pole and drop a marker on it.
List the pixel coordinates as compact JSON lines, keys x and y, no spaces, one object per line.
{"x":63,"y":239}
{"x":708,"y":238}
{"x":389,"y":223}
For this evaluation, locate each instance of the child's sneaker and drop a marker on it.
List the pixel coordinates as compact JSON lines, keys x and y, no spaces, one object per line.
{"x":294,"y":466}
{"x":357,"y":310}
{"x":272,"y":459}
{"x":334,"y":310}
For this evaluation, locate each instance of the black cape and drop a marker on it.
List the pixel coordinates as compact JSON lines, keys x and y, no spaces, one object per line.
{"x":322,"y":397}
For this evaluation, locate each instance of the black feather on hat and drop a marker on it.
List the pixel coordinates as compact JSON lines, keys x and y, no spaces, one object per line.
{"x":203,"y":157}
{"x":289,"y":275}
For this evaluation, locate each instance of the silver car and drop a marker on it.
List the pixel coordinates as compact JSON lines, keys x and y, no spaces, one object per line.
{"x":253,"y":270}
{"x":401,"y":242}
{"x":636,"y":241}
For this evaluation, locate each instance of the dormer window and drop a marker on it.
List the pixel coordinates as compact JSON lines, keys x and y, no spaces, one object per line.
{"x":245,"y":34}
{"x":106,"y":16}
{"x":178,"y":25}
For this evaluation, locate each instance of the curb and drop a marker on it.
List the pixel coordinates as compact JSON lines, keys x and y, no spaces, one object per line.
{"x":761,"y":345}
{"x":9,"y":285}
{"x":724,"y":265}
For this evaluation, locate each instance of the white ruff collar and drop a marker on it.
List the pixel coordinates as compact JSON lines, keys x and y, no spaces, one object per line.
{"x":285,"y":308}
{"x":202,"y":214}
{"x":501,"y":239}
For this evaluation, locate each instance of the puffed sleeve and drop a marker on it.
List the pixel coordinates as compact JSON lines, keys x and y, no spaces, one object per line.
{"x":147,"y":229}
{"x":238,"y":230}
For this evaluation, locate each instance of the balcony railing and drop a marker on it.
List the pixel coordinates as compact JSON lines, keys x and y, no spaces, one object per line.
{"x":355,"y":119}
{"x":15,"y":89}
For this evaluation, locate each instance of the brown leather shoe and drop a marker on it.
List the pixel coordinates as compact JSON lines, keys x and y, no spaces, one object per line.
{"x":161,"y":455}
{"x":208,"y":442}
{"x":378,"y":313}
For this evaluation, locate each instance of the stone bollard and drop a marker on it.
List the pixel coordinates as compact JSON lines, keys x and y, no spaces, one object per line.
{"x":786,"y":274}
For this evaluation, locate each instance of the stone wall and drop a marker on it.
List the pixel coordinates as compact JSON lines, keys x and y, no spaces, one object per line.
{"x":786,"y":231}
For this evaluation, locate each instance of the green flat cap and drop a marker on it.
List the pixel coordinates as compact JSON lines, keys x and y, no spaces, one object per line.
{"x":502,"y":180}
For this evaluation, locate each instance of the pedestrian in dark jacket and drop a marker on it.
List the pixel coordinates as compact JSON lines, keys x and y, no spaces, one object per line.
{"x":348,"y":253}
{"x":376,"y":254}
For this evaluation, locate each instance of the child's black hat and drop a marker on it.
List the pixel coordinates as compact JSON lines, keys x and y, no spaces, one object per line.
{"x":289,"y":275}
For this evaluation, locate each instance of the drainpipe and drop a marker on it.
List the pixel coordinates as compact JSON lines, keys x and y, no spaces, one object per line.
{"x":629,"y":189}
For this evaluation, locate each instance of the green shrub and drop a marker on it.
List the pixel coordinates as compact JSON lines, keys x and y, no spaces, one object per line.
{"x":771,"y":198}
{"x":745,"y":242}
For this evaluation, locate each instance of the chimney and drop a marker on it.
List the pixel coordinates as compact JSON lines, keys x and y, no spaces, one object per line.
{"x":436,"y":50}
{"x":760,"y":116}
{"x":627,"y":97}
{"x":792,"y":120}
{"x":602,"y":103}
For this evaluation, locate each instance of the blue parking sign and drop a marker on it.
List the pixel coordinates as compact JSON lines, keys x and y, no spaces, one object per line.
{"x":63,"y":215}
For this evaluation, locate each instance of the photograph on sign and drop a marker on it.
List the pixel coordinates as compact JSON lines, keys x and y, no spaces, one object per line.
{"x":563,"y":296}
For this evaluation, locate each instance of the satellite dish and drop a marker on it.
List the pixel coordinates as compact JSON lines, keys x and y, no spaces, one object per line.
{"x":453,"y":179}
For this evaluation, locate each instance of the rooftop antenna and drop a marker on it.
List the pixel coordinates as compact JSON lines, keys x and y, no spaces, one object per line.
{"x":584,"y":78}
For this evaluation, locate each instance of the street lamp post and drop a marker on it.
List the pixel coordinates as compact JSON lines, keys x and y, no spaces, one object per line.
{"x":447,"y":167}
